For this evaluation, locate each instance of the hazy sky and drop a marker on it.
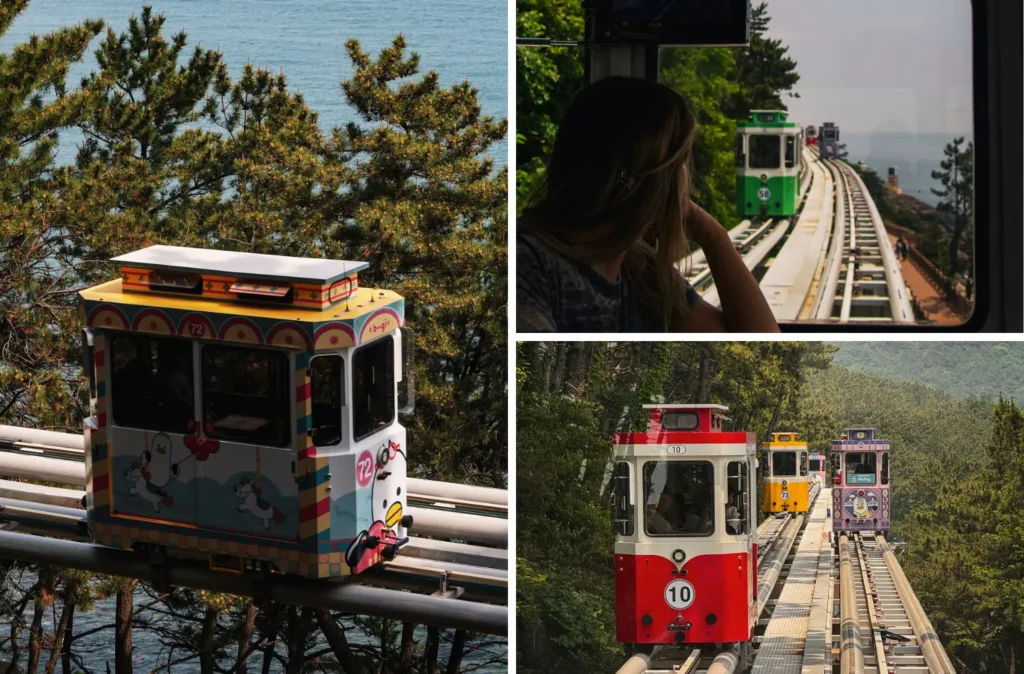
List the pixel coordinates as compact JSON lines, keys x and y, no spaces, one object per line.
{"x":874,"y":66}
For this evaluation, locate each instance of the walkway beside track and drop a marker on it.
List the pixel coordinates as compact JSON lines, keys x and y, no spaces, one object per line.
{"x":928,"y":297}
{"x":787,"y":636}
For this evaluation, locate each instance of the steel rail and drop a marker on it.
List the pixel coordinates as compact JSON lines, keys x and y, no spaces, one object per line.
{"x":931,"y":647}
{"x":334,"y":596}
{"x":870,"y":602}
{"x":827,"y":292}
{"x":899,"y":300}
{"x":851,"y":650}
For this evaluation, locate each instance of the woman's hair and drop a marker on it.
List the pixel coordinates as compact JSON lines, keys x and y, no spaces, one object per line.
{"x":619,"y":177}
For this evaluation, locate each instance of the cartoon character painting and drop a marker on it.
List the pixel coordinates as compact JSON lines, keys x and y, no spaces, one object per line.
{"x":860,"y":507}
{"x":260,"y":508}
{"x":151,"y":473}
{"x":381,"y":539}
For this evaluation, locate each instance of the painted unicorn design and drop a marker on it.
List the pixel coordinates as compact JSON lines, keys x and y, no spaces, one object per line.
{"x":144,"y":487}
{"x":262,"y":509}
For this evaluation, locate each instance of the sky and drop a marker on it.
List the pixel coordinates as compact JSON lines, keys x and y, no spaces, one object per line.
{"x":877,"y":66}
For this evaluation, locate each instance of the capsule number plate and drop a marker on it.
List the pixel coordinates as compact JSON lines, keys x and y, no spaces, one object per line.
{"x":679,"y":594}
{"x":677,"y":449}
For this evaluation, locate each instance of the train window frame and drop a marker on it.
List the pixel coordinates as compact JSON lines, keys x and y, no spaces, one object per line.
{"x":873,"y":474}
{"x":740,"y":152}
{"x":388,"y":361}
{"x":742,"y":496}
{"x":884,"y":477}
{"x":155,"y":422}
{"x":676,"y":414}
{"x":803,"y":464}
{"x":790,"y":152}
{"x":753,"y":139}
{"x":282,"y":401}
{"x":814,"y":468}
{"x":711,"y":498}
{"x":775,"y":455}
{"x":338,"y":386}
{"x":625,"y":518}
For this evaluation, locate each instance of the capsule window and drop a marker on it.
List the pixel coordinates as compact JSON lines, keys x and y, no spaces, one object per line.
{"x":783,"y":464}
{"x":790,"y":151}
{"x":246,"y":395}
{"x":680,"y":421}
{"x":741,"y":157}
{"x":765,"y":152}
{"x":803,"y":463}
{"x":623,"y":500}
{"x":737,"y":510}
{"x":679,"y":498}
{"x":885,"y":468}
{"x":151,"y":383}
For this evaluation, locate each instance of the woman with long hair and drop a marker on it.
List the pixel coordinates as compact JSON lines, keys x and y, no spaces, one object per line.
{"x":599,"y":249}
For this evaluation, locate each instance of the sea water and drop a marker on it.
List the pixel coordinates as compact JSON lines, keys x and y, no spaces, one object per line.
{"x":304,"y":39}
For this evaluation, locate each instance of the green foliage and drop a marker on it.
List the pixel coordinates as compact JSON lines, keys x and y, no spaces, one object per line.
{"x":957,"y":191}
{"x":964,"y":554}
{"x":763,"y":71}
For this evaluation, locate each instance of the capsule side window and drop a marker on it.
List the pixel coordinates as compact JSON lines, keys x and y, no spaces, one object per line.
{"x":737,"y":512}
{"x":741,"y":157}
{"x":790,"y":151}
{"x":803,"y":463}
{"x":373,"y":387}
{"x":327,"y":388}
{"x":624,"y":518}
{"x":885,"y":468}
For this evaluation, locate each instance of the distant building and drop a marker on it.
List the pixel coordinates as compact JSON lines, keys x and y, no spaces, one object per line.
{"x":894,"y":181}
{"x":862,"y":166}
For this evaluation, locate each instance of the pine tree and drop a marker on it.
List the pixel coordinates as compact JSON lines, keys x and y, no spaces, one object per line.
{"x":957,"y":191}
{"x":37,"y":323}
{"x":430,"y":214}
{"x":763,"y":72}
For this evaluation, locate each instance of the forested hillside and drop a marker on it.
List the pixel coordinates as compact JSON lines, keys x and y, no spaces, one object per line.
{"x":965,"y":369}
{"x":572,"y":397}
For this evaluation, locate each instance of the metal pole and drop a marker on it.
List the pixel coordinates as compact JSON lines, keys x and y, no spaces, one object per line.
{"x":463,"y":492}
{"x":637,"y":664}
{"x":49,"y":438}
{"x":332,"y":596}
{"x":42,"y":468}
{"x":460,"y":526}
{"x":851,"y":652}
{"x":725,"y":662}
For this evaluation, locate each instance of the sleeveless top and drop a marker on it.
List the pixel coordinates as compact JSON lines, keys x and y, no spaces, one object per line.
{"x":556,"y":294}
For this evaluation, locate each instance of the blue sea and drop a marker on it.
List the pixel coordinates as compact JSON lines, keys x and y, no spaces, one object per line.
{"x":915,"y":156}
{"x":460,"y":39}
{"x":304,"y":39}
